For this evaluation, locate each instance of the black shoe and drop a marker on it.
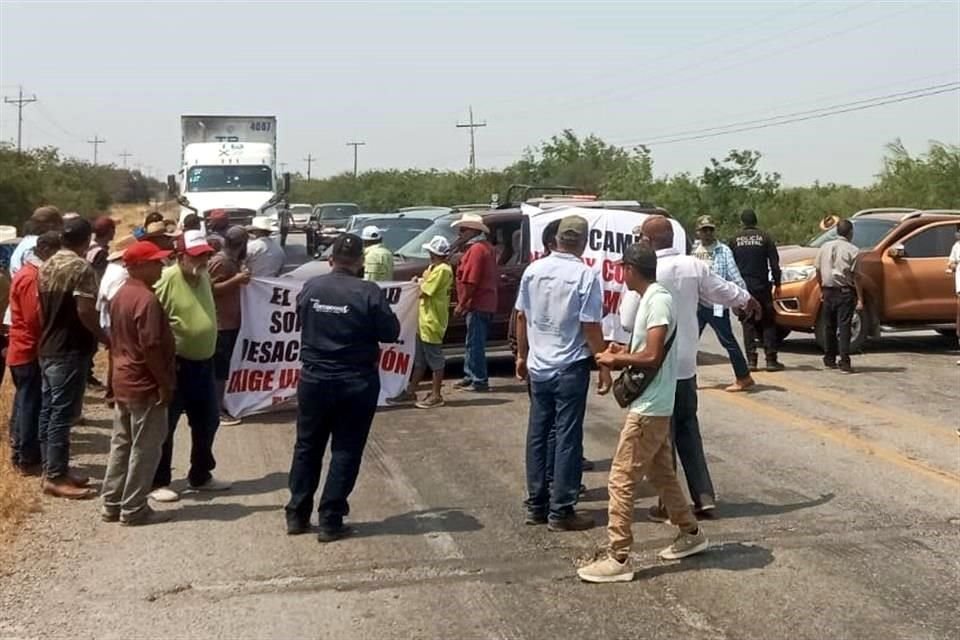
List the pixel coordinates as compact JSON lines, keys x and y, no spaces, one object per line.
{"x":829,"y":364}
{"x":534,"y":519}
{"x":582,"y":490}
{"x":332,"y":533}
{"x":587,"y":465}
{"x":774,"y":365}
{"x":573,"y":522}
{"x":846,"y":367}
{"x":296,"y":526}
{"x":753,"y":362}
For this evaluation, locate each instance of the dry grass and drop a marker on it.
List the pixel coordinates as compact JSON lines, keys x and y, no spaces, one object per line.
{"x":18,"y":496}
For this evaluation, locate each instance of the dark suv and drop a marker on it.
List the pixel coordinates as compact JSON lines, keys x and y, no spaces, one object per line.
{"x":327,"y":221}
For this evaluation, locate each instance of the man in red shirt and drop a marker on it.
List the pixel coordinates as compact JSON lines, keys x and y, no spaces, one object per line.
{"x":25,"y":327}
{"x":142,"y":351}
{"x":476,"y":298}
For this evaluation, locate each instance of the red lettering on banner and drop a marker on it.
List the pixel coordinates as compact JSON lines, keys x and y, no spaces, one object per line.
{"x":589,"y":261}
{"x":393,"y":361}
{"x":611,"y":302}
{"x":612,"y":271}
{"x":289,"y":378}
{"x":244,"y":380}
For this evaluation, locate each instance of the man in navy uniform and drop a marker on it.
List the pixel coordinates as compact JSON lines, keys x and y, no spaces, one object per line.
{"x":344,"y":319}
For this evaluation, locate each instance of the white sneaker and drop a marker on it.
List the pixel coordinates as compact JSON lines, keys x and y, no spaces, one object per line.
{"x":607,"y":569}
{"x":164,"y":494}
{"x":212,"y":485}
{"x":229,"y":421}
{"x":685,"y":545}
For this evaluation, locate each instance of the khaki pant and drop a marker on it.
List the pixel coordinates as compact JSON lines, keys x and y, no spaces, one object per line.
{"x":135,"y":447}
{"x":644,"y":450}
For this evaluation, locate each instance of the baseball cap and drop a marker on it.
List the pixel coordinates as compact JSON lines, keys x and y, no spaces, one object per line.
{"x":347,"y":246}
{"x":438,"y":246}
{"x":144,"y":251}
{"x":76,"y":230}
{"x":371,"y":232}
{"x":218,"y":216}
{"x":572,"y":228}
{"x":705,"y":222}
{"x":194,"y":243}
{"x":640,"y":255}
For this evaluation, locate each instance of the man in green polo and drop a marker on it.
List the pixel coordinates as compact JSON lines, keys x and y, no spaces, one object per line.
{"x":377,"y":259}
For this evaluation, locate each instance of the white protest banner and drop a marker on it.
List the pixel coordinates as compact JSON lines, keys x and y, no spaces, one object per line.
{"x":265,"y":366}
{"x":611,"y":231}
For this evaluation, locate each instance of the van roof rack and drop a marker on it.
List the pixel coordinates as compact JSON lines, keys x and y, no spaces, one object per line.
{"x":527,"y":191}
{"x":880,"y":210}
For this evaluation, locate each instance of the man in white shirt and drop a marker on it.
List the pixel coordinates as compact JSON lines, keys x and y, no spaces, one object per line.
{"x":265,"y":256}
{"x":690,"y":282}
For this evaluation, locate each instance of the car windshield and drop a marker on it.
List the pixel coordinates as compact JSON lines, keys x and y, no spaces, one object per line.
{"x":338,"y":211}
{"x":440,"y":227}
{"x":230,"y":178}
{"x":397,"y":232}
{"x":867,"y":232}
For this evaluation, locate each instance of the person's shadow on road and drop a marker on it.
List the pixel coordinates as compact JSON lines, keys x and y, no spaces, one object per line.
{"x":414,"y":523}
{"x":219,"y":511}
{"x":254,"y":486}
{"x":756,"y":509}
{"x":733,"y":556}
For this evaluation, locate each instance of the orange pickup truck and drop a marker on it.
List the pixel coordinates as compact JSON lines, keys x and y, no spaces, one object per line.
{"x":903,"y":258}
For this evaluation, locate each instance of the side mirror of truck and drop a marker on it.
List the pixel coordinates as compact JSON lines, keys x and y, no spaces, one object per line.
{"x":897,"y":252}
{"x":285,"y":183}
{"x":172,"y":188}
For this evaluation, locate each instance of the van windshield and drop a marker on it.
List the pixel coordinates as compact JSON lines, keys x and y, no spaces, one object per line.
{"x":440,"y":227}
{"x":230,"y":178}
{"x":867,"y":233}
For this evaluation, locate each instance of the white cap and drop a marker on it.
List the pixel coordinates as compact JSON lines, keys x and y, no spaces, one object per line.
{"x":438,"y":246}
{"x":262,"y":223}
{"x":371,"y":232}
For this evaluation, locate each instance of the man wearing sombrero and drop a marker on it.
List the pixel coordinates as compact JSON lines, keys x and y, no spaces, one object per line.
{"x":476,"y":298}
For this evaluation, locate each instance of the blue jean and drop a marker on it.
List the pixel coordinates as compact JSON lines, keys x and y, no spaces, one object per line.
{"x":558,"y":405}
{"x":721,"y":326}
{"x":64,"y":380}
{"x":688,"y":443}
{"x":475,"y":359}
{"x":196,"y":395}
{"x":339,"y":411}
{"x":25,"y":418}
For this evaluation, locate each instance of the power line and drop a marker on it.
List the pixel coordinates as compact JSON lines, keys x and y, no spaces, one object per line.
{"x":96,"y":142}
{"x":768,"y":125}
{"x":20,"y":101}
{"x":473,"y":126}
{"x":125,"y":155}
{"x":742,"y":123}
{"x":355,"y":145}
{"x":50,"y":119}
{"x":309,"y":161}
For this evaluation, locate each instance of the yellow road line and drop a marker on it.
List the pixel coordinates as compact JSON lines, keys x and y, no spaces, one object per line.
{"x":847,"y":402}
{"x":839,"y":436}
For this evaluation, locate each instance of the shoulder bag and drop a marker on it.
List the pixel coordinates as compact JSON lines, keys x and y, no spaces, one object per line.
{"x":633,"y":381}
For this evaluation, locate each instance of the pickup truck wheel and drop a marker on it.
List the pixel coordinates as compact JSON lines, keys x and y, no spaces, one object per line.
{"x":859,"y":331}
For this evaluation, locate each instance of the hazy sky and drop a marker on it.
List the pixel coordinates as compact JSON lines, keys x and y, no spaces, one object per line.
{"x":400,"y":75}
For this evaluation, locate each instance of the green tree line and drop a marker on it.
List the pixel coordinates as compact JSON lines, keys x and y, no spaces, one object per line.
{"x":723,"y":188}
{"x":42,"y":176}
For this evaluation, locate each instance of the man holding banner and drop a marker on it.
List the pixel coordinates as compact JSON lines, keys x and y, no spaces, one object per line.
{"x":344,"y":318}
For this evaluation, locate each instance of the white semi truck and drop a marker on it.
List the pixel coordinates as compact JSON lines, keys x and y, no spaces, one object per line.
{"x":229,"y":163}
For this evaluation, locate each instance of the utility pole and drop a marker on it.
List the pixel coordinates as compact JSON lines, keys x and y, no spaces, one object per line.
{"x":355,"y":145}
{"x":125,"y":155}
{"x":473,"y":147}
{"x":309,"y":161}
{"x":96,"y":142}
{"x":20,"y":101}
{"x":283,"y":167}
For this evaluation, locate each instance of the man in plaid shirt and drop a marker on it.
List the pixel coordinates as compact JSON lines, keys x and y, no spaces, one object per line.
{"x":721,"y":261}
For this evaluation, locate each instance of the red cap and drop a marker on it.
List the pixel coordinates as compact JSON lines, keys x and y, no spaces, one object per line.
{"x":103,"y":225}
{"x":218,"y":215}
{"x":194,"y":243}
{"x":144,"y":251}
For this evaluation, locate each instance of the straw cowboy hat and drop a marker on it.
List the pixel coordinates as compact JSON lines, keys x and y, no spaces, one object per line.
{"x":829,"y":222}
{"x":119,"y":246}
{"x":261,"y":224}
{"x":472,"y":221}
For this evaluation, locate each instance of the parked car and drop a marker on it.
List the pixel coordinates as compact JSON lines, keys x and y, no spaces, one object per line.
{"x":327,"y":221}
{"x":300,"y":216}
{"x":903,"y":254}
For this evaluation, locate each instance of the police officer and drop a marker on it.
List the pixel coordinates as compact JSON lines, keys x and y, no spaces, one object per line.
{"x":758,"y":261}
{"x":344,"y":319}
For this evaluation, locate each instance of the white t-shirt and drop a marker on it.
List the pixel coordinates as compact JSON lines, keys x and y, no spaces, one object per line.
{"x":955,"y":263}
{"x":113,"y":278}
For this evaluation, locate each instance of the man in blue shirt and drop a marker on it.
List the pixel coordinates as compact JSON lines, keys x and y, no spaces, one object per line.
{"x":560,"y":307}
{"x":719,"y":258}
{"x":344,"y":319}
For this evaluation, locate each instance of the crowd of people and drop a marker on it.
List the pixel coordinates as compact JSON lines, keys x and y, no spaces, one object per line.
{"x":165,"y":303}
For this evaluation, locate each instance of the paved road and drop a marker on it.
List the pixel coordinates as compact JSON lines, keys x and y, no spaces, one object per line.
{"x":839,"y":518}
